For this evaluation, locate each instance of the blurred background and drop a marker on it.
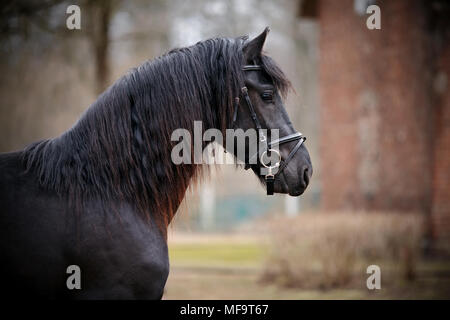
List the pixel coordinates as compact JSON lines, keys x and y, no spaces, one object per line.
{"x":374,"y":105}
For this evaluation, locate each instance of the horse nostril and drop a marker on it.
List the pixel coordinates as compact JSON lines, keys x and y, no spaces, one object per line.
{"x":306,"y":176}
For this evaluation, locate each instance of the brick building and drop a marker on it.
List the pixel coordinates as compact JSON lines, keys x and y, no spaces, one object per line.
{"x":385,"y":107}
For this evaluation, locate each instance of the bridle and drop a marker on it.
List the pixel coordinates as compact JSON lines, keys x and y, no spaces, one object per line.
{"x":268,"y":146}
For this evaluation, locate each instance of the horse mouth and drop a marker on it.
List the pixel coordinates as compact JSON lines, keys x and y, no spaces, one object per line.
{"x":296,"y":193}
{"x":292,"y":190}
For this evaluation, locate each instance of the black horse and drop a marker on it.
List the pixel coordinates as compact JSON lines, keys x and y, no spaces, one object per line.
{"x":101,"y":195}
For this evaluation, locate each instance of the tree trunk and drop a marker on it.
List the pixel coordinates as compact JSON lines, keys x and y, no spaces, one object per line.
{"x":100,"y":13}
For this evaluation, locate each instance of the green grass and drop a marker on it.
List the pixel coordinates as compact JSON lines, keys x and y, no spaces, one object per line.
{"x":219,"y":269}
{"x":216,"y":254}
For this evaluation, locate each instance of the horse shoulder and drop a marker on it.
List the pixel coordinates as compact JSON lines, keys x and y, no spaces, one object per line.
{"x":119,"y":255}
{"x":122,"y":256}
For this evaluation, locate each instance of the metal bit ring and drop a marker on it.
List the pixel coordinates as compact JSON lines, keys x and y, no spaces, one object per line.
{"x":277,"y":164}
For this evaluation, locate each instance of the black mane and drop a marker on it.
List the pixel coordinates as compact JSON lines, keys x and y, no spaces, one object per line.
{"x":120,"y":148}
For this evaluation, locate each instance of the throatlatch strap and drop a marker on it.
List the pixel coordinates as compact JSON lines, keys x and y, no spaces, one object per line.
{"x":269,"y":184}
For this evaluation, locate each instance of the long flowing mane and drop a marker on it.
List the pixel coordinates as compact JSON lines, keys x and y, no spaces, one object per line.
{"x":120,"y":148}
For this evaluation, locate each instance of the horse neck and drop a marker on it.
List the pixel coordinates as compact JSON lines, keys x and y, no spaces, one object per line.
{"x":128,"y":149}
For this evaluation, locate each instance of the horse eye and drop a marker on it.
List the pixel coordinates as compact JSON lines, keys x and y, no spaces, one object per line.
{"x":267,"y":95}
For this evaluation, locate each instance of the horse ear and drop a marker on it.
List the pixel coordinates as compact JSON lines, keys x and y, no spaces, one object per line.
{"x":253,"y":48}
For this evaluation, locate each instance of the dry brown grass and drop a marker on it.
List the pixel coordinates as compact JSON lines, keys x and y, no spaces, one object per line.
{"x":317,"y":250}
